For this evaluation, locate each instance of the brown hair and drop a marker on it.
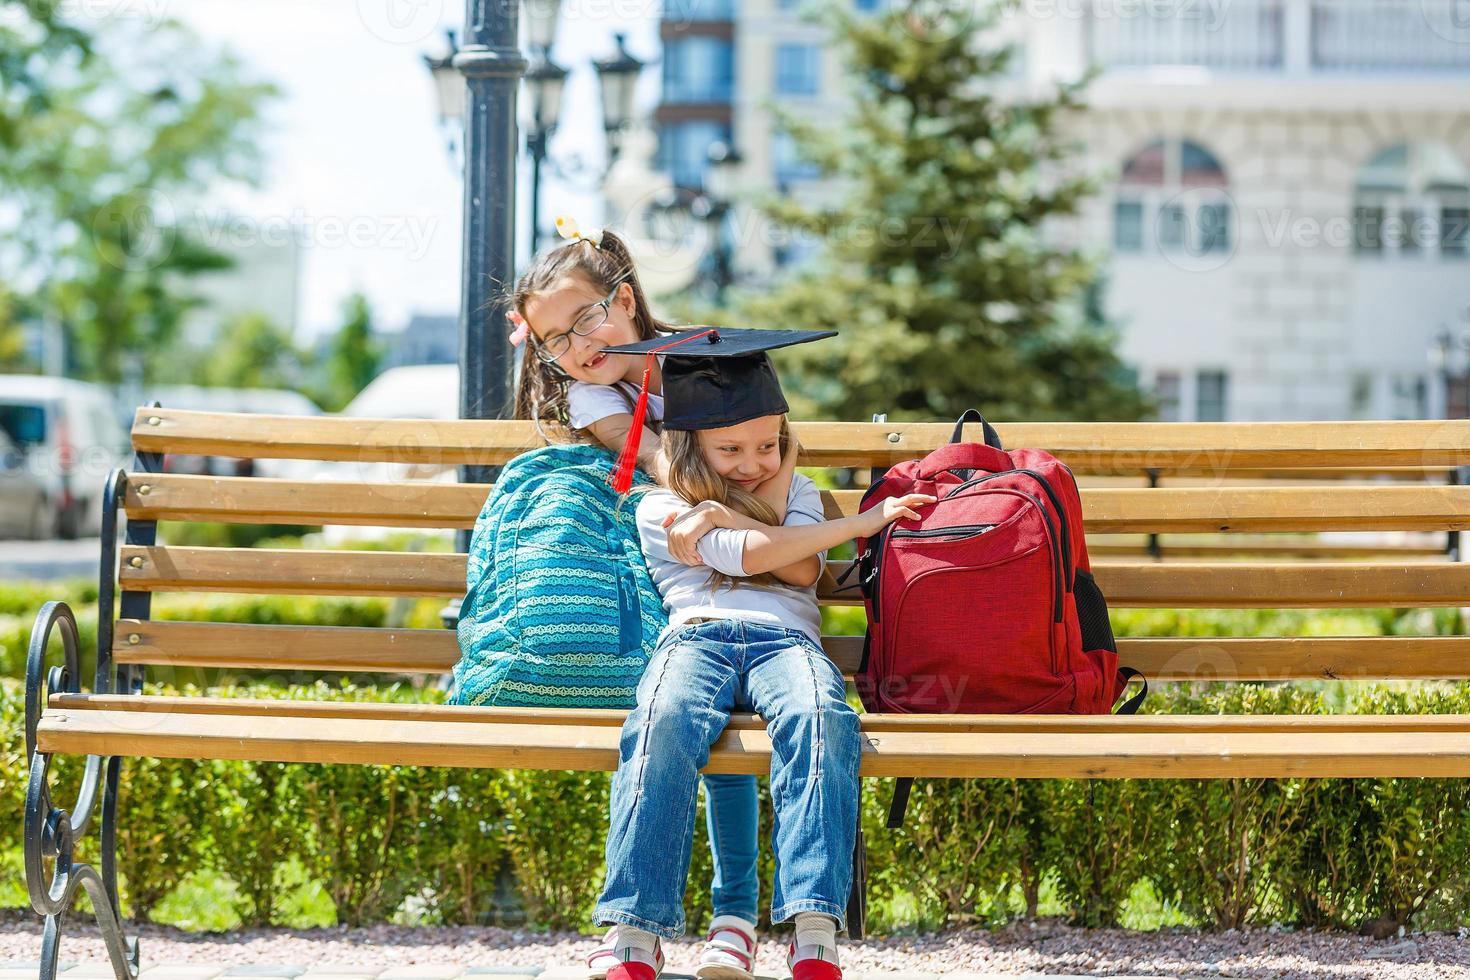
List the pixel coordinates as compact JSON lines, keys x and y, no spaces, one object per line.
{"x":692,"y":479}
{"x":541,"y":391}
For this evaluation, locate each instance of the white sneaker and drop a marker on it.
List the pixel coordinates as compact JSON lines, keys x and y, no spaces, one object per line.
{"x":605,"y":957}
{"x":729,"y":954}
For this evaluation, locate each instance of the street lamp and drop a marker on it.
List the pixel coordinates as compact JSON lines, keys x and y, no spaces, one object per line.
{"x":449,"y":90}
{"x":617,"y":76}
{"x":709,"y":206}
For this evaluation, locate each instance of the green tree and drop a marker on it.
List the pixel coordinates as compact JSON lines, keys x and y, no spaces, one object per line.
{"x":934,"y":260}
{"x":352,"y":357}
{"x":13,"y":357}
{"x":252,"y":351}
{"x":108,"y":144}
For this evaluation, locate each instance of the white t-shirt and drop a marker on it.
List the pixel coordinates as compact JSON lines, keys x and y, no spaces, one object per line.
{"x":685,"y":588}
{"x":588,"y":403}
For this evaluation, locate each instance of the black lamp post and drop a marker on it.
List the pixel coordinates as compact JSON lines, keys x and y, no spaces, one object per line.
{"x":724,"y":165}
{"x":476,"y":85}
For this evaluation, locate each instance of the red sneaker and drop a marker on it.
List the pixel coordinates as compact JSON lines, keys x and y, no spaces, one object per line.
{"x":638,"y":965}
{"x":813,"y":963}
{"x":606,"y":956}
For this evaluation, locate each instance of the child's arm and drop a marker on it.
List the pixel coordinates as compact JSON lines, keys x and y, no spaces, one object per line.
{"x":770,"y":548}
{"x":612,"y":432}
{"x":776,"y":490}
{"x":773,"y":549}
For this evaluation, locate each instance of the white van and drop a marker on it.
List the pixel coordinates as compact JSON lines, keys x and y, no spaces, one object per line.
{"x":69,"y":433}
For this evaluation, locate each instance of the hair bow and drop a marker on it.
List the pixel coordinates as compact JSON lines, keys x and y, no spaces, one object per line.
{"x":567,"y":228}
{"x":518,"y":335}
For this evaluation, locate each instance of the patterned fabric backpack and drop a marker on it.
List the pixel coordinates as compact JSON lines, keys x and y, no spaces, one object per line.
{"x":559,"y":608}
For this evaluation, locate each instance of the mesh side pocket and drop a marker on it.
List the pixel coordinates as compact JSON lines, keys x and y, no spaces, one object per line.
{"x":1092,"y":614}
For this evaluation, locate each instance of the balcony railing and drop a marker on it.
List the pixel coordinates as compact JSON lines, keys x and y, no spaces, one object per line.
{"x":1391,"y":35}
{"x":1246,"y":35}
{"x":1283,"y":35}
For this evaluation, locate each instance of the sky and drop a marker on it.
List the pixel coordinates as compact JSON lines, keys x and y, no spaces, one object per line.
{"x":356,"y":158}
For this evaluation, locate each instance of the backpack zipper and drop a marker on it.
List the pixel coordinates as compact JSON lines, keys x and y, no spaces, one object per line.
{"x":967,"y":530}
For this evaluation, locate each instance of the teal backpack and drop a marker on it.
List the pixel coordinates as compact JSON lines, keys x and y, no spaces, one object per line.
{"x":559,"y":608}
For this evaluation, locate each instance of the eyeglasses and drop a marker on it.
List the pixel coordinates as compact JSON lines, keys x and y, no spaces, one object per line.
{"x":552,"y":348}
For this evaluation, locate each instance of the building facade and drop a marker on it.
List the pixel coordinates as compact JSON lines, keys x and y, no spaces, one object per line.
{"x":1285,"y":225}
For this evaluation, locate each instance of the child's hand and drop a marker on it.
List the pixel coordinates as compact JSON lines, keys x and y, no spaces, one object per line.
{"x":895,"y":507}
{"x":685,"y":528}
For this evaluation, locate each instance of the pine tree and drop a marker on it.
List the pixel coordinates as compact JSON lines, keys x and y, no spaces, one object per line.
{"x":938,"y":259}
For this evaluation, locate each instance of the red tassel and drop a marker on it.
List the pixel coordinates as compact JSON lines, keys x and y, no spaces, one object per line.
{"x":622,"y":474}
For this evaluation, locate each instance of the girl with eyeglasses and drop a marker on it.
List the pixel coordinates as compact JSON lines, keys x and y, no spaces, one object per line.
{"x":575,"y":301}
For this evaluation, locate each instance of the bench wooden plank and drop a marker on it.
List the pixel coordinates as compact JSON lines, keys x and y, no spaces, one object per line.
{"x":1211,"y":447}
{"x":1092,"y":754}
{"x":261,"y":500}
{"x":969,"y":723}
{"x":288,"y":571}
{"x":434,"y":651}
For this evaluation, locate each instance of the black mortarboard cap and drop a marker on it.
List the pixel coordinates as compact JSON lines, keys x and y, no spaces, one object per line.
{"x":713,"y":377}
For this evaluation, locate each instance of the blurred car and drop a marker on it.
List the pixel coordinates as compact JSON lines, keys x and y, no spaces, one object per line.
{"x":256,"y":401}
{"x":25,"y":511}
{"x":69,"y":434}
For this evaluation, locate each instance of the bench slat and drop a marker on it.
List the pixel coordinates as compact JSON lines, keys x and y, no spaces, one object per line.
{"x":1216,"y":585}
{"x":1212,"y":447}
{"x":745,"y":721}
{"x":434,"y":651}
{"x":1090,"y":754}
{"x":260,"y":500}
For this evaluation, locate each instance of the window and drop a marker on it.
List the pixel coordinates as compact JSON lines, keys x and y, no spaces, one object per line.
{"x":1412,"y":201}
{"x":1173,"y":199}
{"x":685,"y":11}
{"x":1210,"y":396}
{"x":698,"y":69}
{"x":790,"y":167}
{"x":1166,"y":393}
{"x":683,"y":149}
{"x":798,"y":69}
{"x":1128,"y":226}
{"x":1410,"y":396}
{"x":1360,"y":396}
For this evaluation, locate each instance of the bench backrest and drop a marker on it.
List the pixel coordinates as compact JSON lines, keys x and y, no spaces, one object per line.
{"x":1217,"y":478}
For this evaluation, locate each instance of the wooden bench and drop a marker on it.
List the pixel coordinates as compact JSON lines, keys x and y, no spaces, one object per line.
{"x":116,"y":719}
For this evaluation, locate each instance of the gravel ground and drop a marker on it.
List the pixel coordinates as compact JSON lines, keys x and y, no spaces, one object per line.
{"x":1043,"y":947}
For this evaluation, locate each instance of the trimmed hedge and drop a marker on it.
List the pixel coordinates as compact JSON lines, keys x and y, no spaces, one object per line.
{"x":466,"y":846}
{"x":1372,"y":854}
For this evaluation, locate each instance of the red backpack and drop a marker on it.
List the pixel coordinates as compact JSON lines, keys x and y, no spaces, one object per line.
{"x":987,"y":605}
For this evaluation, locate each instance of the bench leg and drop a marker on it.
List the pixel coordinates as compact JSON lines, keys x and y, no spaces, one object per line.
{"x":52,"y":878}
{"x":857,"y":898}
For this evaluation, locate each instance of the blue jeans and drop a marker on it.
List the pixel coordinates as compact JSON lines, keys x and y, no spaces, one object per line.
{"x":732,"y":812}
{"x":697,"y":677}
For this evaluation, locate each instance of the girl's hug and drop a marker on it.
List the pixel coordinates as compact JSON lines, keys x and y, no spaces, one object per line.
{"x":732,"y":544}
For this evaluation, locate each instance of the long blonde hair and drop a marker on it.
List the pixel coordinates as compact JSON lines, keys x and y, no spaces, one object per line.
{"x":693,"y":480}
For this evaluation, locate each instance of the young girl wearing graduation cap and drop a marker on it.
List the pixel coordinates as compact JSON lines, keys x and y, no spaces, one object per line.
{"x":573,"y":303}
{"x":744,"y":635}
